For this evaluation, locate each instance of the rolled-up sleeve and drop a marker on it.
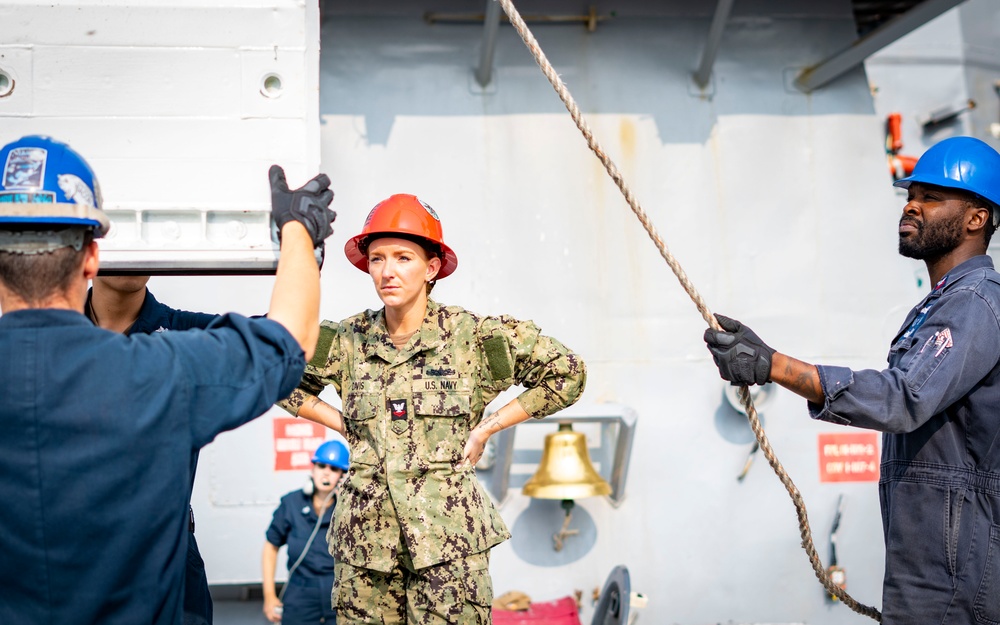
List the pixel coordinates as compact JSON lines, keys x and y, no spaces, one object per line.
{"x":834,"y":381}
{"x":554,"y":376}
{"x":320,"y":372}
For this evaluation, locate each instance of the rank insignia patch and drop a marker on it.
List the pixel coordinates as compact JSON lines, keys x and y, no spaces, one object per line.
{"x":942,"y":341}
{"x":397,"y":407}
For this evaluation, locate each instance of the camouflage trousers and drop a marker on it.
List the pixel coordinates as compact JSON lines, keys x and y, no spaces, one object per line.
{"x":457,"y":592}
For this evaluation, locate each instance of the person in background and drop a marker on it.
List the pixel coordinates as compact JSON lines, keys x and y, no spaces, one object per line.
{"x":298,"y":520}
{"x":97,"y":429}
{"x":124,"y":304}
{"x":937,"y":402}
{"x":413,"y":531}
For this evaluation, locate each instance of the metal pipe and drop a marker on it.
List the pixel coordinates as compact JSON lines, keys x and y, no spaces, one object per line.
{"x":704,"y":72}
{"x":491,"y":24}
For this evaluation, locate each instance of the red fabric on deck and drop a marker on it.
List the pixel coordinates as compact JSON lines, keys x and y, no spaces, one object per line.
{"x":558,"y":612}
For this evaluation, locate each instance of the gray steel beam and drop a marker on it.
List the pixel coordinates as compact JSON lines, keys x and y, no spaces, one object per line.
{"x":491,"y":24}
{"x":823,"y":72}
{"x":704,"y":72}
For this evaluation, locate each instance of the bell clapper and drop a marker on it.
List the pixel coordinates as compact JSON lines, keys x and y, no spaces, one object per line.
{"x":564,"y":532}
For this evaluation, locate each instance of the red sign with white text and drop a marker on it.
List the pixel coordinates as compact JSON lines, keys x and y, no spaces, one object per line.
{"x":295,"y":440}
{"x":848,"y":457}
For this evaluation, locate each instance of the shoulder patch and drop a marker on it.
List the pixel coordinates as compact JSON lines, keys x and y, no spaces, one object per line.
{"x":496,"y":349}
{"x":323,"y":344}
{"x":498,"y":357}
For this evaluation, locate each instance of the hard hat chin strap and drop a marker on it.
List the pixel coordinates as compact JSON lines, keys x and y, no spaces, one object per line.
{"x":31,"y":242}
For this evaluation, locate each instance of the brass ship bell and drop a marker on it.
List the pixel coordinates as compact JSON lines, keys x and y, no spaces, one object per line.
{"x":565,"y":472}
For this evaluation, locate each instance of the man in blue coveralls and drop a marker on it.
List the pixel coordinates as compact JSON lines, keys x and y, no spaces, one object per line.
{"x":96,"y":428}
{"x":938,"y":403}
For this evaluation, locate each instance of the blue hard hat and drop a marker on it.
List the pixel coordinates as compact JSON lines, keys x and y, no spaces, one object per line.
{"x":333,"y":453}
{"x":45,"y":182}
{"x":960,"y":163}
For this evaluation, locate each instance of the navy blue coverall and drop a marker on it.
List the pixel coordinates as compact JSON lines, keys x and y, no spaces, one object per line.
{"x":308,"y":596}
{"x":96,"y":435}
{"x":156,"y":317}
{"x":938,"y":404}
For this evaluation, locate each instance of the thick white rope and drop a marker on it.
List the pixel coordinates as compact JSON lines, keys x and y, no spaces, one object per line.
{"x":744,"y":392}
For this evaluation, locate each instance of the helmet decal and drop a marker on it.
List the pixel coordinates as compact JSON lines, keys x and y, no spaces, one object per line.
{"x":98,"y":196}
{"x":25,"y":168}
{"x":429,"y":210}
{"x":27,"y":197}
{"x":76,"y":190}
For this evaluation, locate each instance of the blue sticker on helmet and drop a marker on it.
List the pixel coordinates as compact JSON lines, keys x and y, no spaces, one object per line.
{"x":25,"y":168}
{"x":27,"y":197}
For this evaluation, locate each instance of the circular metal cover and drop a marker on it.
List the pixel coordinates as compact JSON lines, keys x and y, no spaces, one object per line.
{"x":759,"y":394}
{"x":612,"y":607}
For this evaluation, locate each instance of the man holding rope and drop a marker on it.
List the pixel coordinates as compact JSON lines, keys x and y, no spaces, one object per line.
{"x":936,"y":402}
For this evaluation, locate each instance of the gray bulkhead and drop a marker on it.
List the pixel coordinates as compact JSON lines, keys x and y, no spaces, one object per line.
{"x":778,"y":204}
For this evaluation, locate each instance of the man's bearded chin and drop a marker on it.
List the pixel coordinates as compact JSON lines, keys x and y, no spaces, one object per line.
{"x":932,"y":241}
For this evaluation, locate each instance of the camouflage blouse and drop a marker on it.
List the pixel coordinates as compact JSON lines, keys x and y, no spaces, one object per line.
{"x":407,"y":417}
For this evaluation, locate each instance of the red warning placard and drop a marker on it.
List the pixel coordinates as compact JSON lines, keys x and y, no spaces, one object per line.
{"x":295,"y":440}
{"x":848,"y":457}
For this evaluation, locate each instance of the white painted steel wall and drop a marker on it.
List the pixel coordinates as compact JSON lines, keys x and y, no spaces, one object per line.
{"x":168,"y":102}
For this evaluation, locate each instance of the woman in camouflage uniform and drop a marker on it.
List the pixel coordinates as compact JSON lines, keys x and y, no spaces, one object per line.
{"x":413,"y":530}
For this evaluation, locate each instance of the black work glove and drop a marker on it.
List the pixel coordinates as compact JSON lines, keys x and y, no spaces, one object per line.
{"x":307,"y":205}
{"x":740,"y":355}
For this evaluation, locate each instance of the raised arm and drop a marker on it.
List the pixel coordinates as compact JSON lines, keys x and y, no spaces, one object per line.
{"x":295,"y":296}
{"x":303,"y":220}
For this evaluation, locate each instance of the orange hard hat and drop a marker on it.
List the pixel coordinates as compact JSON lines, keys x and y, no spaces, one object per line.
{"x":406,"y":217}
